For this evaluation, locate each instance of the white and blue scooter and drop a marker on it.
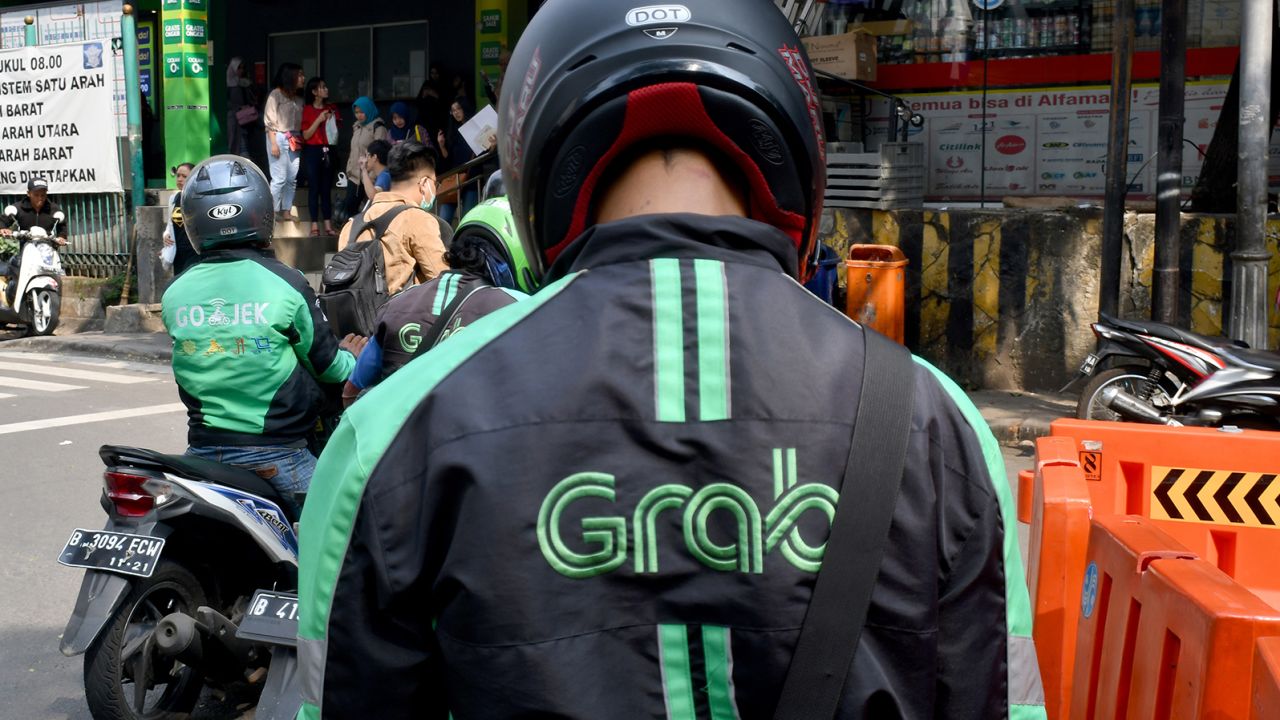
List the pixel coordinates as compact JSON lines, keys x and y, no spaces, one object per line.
{"x":172,"y":597}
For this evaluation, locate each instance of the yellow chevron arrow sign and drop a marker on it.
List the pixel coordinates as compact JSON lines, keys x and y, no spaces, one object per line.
{"x":1220,"y":497}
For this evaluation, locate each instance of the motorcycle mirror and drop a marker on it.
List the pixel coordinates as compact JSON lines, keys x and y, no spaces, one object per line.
{"x":11,"y":211}
{"x":59,"y":216}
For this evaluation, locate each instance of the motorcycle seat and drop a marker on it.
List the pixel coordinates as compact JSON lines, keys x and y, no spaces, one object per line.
{"x":1249,"y":357}
{"x":1172,"y":334}
{"x":196,"y":469}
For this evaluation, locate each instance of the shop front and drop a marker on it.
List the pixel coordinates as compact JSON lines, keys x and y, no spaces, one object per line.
{"x":1015,"y":94}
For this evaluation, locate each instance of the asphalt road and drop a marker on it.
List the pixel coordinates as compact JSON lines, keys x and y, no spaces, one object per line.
{"x":50,"y":482}
{"x":55,"y":412}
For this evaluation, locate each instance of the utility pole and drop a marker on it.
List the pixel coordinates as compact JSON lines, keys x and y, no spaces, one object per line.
{"x":133,"y":103}
{"x":1249,"y":259}
{"x":1173,"y":81}
{"x":1122,"y":30}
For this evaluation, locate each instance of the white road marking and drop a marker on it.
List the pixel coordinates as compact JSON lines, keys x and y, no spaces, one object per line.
{"x":5,"y":395}
{"x":98,"y":363}
{"x":24,"y":384}
{"x":90,"y":418}
{"x":75,"y":373}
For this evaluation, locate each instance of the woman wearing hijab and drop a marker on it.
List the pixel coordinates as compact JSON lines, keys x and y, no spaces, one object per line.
{"x":401,"y":129}
{"x":242,"y":108}
{"x":369,"y":127}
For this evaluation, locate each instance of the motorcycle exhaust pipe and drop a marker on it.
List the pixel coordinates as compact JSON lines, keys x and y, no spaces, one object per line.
{"x":178,"y":638}
{"x":1132,"y":408}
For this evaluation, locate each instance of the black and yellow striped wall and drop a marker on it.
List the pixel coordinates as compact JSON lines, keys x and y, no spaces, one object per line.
{"x":1004,"y":298}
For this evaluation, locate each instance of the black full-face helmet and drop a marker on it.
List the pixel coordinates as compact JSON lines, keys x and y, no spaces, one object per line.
{"x":226,"y":202}
{"x":591,"y":80}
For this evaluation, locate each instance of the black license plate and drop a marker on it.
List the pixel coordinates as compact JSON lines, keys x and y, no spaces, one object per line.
{"x":1090,"y":362}
{"x":272,"y":617}
{"x":122,"y":553}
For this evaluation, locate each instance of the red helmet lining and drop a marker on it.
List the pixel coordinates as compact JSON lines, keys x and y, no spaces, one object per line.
{"x":676,"y":109}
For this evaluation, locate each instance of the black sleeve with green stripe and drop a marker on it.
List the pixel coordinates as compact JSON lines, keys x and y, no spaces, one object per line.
{"x":312,"y":339}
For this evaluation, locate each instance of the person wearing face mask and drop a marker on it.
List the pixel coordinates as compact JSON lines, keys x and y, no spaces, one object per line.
{"x":412,"y":246}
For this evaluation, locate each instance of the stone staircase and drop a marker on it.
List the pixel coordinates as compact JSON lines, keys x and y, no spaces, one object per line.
{"x":295,"y":247}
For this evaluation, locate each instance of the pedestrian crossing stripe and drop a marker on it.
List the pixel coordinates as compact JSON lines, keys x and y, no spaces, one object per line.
{"x":1222,"y":497}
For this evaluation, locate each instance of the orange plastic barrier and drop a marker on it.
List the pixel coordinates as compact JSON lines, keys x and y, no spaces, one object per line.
{"x":1058,"y":504}
{"x":1217,"y":493}
{"x":1266,"y":679}
{"x":1193,"y":657}
{"x":877,"y":288}
{"x":1120,"y":551}
{"x":1026,"y":493}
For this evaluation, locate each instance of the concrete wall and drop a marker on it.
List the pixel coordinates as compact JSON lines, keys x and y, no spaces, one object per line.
{"x":1004,"y":298}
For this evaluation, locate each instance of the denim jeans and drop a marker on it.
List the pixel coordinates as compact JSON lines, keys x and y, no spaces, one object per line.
{"x":284,"y":174}
{"x":290,"y":469}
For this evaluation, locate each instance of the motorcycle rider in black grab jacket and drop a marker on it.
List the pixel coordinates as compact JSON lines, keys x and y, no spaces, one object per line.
{"x":611,"y":500}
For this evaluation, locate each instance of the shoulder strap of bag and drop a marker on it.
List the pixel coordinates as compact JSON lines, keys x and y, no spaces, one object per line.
{"x":380,"y":225}
{"x":859,"y":532}
{"x":432,"y":338}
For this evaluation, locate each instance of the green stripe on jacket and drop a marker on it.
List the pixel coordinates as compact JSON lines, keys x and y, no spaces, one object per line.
{"x":337,"y":488}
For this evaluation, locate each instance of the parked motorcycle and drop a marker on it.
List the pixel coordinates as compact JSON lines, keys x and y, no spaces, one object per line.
{"x":171,"y":599}
{"x":1157,"y":373}
{"x":36,"y":301}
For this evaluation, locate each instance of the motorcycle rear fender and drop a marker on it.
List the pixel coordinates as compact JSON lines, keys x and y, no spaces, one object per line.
{"x":101,"y":594}
{"x":1107,"y":351}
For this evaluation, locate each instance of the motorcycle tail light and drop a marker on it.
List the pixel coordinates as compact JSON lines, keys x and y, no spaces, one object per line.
{"x":1097,"y":331}
{"x":129,"y":493}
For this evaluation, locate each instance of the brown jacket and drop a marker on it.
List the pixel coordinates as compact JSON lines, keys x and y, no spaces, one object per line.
{"x":412,"y":247}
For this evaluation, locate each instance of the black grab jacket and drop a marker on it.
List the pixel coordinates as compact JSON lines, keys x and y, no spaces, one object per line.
{"x":610,"y":501}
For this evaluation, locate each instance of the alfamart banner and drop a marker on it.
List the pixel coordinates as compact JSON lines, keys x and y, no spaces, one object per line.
{"x":57,"y":119}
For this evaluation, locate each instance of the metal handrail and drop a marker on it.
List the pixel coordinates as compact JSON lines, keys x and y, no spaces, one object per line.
{"x":480,"y":159}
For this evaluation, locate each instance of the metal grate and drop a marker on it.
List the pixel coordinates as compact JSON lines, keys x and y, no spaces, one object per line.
{"x":98,"y":230}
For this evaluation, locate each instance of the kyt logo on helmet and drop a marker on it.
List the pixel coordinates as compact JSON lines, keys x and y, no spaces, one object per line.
{"x":224,"y":212}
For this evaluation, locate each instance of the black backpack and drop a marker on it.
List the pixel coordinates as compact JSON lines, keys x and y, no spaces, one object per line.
{"x":354,"y":284}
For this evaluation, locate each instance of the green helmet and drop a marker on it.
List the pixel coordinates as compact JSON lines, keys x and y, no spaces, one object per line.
{"x":508,"y":266}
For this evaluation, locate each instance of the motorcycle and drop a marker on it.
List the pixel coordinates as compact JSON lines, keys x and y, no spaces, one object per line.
{"x":1160,"y":374}
{"x":188,"y":585}
{"x":36,"y":300}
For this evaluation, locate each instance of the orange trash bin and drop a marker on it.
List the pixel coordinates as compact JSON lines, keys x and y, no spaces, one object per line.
{"x":877,"y":285}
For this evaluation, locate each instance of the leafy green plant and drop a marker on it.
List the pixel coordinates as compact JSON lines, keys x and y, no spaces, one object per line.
{"x":114,"y":287}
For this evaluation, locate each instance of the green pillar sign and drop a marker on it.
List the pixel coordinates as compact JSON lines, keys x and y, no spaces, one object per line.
{"x":492,"y":29}
{"x":186,"y":80}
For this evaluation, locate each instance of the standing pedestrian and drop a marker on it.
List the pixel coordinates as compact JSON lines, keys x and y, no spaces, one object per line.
{"x":319,"y":120}
{"x":369,"y":127}
{"x":242,"y":108}
{"x":283,"y":119}
{"x":431,"y":108}
{"x":402,"y":129}
{"x":184,"y":254}
{"x":455,"y":151}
